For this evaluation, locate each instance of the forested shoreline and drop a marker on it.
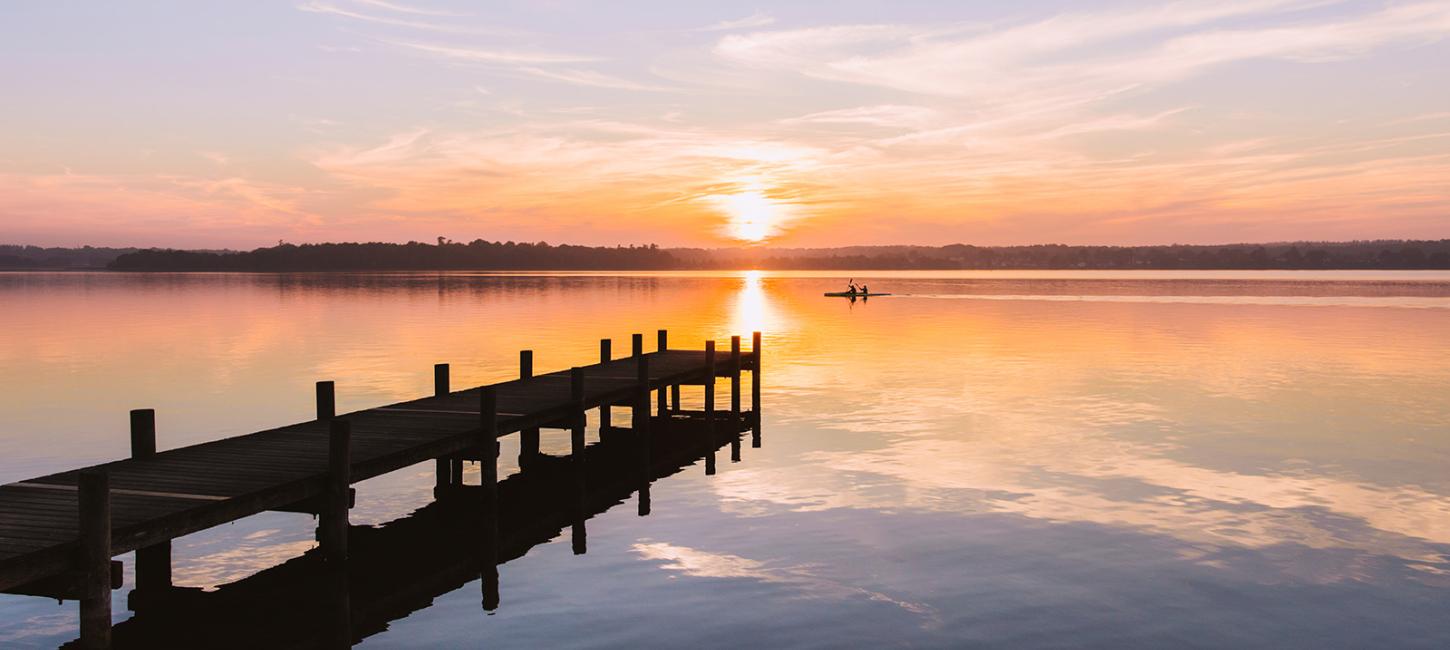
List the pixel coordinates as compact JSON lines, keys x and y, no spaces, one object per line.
{"x":485,"y":255}
{"x":504,"y":256}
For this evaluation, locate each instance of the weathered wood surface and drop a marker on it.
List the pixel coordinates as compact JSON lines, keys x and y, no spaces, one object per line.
{"x":180,"y":491}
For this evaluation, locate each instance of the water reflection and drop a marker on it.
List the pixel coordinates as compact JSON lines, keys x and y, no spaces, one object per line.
{"x":1093,"y":459}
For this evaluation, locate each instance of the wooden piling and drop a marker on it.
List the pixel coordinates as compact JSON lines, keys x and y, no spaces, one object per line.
{"x":755,"y":390}
{"x":710,"y":406}
{"x":641,"y":398}
{"x":339,"y":477}
{"x":443,"y":476}
{"x":734,"y":381}
{"x":576,"y":414}
{"x":637,"y":344}
{"x":153,"y":563}
{"x":675,"y":398}
{"x":606,"y":354}
{"x":488,"y":442}
{"x":578,"y":536}
{"x":528,"y":438}
{"x":94,"y":501}
{"x":326,"y":400}
{"x":661,"y":407}
{"x":440,"y":379}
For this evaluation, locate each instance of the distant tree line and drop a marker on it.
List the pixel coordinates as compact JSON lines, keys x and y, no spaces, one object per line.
{"x":485,"y":255}
{"x":1297,"y":255}
{"x":445,"y":255}
{"x":14,"y":257}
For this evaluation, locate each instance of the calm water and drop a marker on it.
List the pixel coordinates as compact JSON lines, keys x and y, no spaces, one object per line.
{"x":990,"y":459}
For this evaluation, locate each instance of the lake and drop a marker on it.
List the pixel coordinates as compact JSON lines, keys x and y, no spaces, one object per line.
{"x":994,"y":459}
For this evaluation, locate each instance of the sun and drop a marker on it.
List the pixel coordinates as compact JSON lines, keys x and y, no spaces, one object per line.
{"x":751,"y":215}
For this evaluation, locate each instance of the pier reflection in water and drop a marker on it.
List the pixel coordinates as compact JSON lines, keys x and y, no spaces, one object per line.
{"x":399,"y":567}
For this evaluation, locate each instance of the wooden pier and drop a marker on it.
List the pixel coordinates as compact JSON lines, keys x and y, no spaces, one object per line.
{"x":59,"y":532}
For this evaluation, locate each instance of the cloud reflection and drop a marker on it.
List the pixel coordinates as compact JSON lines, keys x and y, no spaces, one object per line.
{"x":704,"y":564}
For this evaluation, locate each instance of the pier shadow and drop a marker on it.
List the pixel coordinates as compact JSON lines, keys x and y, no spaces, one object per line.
{"x":399,"y":567}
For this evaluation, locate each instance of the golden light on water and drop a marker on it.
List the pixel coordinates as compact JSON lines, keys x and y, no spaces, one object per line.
{"x":752,"y":310}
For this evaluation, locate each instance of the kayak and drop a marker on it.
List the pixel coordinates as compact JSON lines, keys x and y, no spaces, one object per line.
{"x":858,"y":294}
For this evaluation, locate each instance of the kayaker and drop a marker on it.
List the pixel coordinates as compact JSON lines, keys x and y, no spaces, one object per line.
{"x":864,"y":290}
{"x":852,"y":284}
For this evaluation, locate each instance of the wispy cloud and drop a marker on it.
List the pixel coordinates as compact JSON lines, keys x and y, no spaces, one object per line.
{"x":406,"y":9}
{"x":591,"y":78}
{"x":882,"y":115}
{"x":1046,"y":58}
{"x":757,"y":19}
{"x":321,"y":7}
{"x":481,"y":55}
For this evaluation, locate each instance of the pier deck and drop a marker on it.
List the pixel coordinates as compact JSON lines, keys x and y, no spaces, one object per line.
{"x":154,"y":497}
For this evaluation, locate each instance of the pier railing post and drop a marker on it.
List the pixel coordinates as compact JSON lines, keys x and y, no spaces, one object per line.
{"x":440,"y":379}
{"x":606,"y":354}
{"x":143,"y":433}
{"x":326,"y":400}
{"x":755,"y":390}
{"x":339,"y":477}
{"x":94,"y":500}
{"x":153,"y":563}
{"x":528,"y":438}
{"x":637,"y":344}
{"x":710,"y":407}
{"x":664,"y":344}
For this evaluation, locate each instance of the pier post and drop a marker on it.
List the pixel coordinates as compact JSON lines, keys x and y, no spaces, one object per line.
{"x":606,"y":354}
{"x":710,"y":407}
{"x":637,"y":344}
{"x":488,"y":442}
{"x":326,"y":400}
{"x":755,"y":391}
{"x":578,"y":536}
{"x":153,"y":563}
{"x":443,"y":470}
{"x":94,"y":499}
{"x":440,"y":379}
{"x":339,"y":477}
{"x":675,"y":398}
{"x":450,"y":470}
{"x":735,"y":399}
{"x":528,"y":438}
{"x":735,"y":379}
{"x":576,"y":415}
{"x":661,"y":407}
{"x":641,"y":398}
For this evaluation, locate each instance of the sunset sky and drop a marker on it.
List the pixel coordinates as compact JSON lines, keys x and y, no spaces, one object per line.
{"x":211,"y":124}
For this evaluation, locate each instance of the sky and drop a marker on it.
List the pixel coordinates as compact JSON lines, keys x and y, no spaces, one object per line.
{"x":241,"y":124}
